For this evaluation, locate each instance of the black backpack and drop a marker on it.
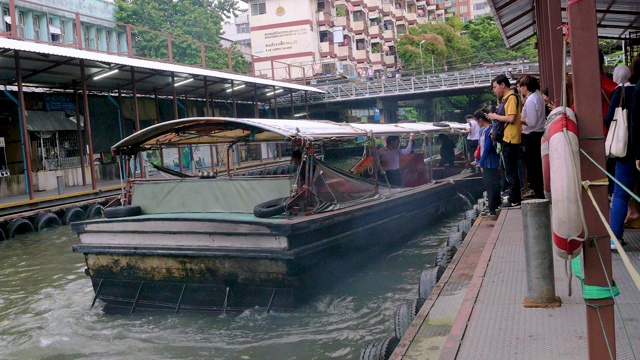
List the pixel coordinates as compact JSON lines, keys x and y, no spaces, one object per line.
{"x":497,"y":131}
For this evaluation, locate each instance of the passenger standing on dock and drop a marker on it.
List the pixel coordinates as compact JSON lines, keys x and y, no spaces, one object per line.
{"x":489,"y":163}
{"x":390,"y":158}
{"x":533,"y":120}
{"x":473,"y":135}
{"x":625,"y":167}
{"x":509,"y":113}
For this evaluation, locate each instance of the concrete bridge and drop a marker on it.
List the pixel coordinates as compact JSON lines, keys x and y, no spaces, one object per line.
{"x":364,"y":91}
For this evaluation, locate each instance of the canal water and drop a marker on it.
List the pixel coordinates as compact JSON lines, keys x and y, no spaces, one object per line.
{"x":45,"y":298}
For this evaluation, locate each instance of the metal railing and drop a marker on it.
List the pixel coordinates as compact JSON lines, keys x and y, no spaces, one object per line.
{"x":438,"y":82}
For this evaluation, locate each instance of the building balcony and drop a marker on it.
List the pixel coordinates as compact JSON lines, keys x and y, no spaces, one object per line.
{"x":341,"y":21}
{"x":360,"y":55}
{"x":376,"y":58}
{"x":342,"y":52}
{"x":372,"y":5}
{"x":447,"y":4}
{"x":325,"y":49}
{"x":431,"y":7}
{"x":357,"y":27}
{"x":357,"y":2}
{"x":389,"y":60}
{"x":388,"y":35}
{"x":421,"y":2}
{"x":399,"y":13}
{"x":325,"y":17}
{"x":374,"y":31}
{"x":387,"y":9}
{"x":412,"y":18}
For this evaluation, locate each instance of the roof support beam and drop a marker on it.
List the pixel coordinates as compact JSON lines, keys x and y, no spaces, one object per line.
{"x":50,"y":67}
{"x":601,"y":331}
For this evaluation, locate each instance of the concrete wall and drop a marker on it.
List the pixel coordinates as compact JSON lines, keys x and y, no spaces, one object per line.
{"x":13,"y":185}
{"x":47,"y":180}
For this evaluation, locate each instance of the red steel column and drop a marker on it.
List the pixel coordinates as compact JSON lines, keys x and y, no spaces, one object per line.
{"x":23,"y":125}
{"x":87,"y":125}
{"x":14,"y":18}
{"x":586,"y":75}
{"x":555,"y":36}
{"x":80,"y":139}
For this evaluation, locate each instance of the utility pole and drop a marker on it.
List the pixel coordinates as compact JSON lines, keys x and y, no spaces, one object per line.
{"x":421,"y":63}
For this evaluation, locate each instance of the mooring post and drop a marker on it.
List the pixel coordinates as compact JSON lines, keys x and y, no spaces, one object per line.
{"x":536,"y":223}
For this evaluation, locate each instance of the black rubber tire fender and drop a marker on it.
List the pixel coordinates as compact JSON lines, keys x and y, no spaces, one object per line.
{"x":271,"y":208}
{"x":46,"y":220}
{"x":471,"y":215}
{"x":428,"y":280}
{"x":19,"y":226}
{"x":441,"y":259}
{"x":417,"y":304}
{"x":402,"y":319}
{"x":440,"y":124}
{"x":388,"y":346}
{"x":72,"y":215}
{"x":456,"y":239}
{"x":3,"y":237}
{"x":449,"y":253}
{"x":464,"y":225}
{"x":95,"y":211}
{"x":379,"y":349}
{"x":122,"y":211}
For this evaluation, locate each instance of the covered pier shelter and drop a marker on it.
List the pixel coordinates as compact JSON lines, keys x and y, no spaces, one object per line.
{"x":112,"y":96}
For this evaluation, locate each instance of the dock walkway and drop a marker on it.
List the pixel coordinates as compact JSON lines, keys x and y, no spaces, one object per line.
{"x":476,"y":312}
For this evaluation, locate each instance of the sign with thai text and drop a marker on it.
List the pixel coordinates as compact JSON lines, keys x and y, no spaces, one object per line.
{"x":280,"y":41}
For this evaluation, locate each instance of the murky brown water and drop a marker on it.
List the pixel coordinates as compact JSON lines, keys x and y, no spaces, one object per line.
{"x":45,"y":298}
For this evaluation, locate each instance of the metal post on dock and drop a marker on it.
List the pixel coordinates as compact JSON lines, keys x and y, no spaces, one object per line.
{"x":536,"y":224}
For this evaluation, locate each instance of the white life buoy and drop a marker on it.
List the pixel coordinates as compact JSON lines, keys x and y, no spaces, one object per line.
{"x":564,"y":170}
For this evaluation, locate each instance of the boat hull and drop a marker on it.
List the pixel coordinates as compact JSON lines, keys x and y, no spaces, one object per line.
{"x":206,"y":262}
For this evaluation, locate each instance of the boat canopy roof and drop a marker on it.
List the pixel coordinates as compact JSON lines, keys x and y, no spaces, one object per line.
{"x":219,"y":130}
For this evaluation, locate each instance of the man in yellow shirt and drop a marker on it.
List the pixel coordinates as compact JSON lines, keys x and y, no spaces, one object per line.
{"x":509,"y":113}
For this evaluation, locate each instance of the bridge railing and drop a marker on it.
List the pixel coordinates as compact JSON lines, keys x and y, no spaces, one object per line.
{"x":401,"y":85}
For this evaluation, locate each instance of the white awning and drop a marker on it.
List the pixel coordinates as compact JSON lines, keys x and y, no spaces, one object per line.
{"x":193,"y":131}
{"x":7,"y":19}
{"x":54,"y":30}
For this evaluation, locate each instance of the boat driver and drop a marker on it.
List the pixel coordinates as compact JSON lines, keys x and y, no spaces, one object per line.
{"x":390,"y":158}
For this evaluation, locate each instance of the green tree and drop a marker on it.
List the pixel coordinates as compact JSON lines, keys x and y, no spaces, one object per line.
{"x":488,"y":45}
{"x":442,"y":40}
{"x":197,"y":20}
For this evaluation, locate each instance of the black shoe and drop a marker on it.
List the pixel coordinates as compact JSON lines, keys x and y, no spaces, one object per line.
{"x":510,"y":205}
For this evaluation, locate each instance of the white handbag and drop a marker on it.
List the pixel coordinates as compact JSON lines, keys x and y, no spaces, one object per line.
{"x":618,"y":135}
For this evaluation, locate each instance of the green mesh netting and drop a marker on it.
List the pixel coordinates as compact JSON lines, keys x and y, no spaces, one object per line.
{"x":592,"y":292}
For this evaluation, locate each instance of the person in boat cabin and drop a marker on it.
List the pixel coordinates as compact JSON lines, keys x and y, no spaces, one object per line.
{"x":509,"y":113}
{"x":390,"y":158}
{"x":489,"y":163}
{"x":473,"y":135}
{"x":447,"y":150}
{"x":296,"y":159}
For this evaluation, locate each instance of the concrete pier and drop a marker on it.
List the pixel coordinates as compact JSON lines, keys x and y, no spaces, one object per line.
{"x":476,"y":311}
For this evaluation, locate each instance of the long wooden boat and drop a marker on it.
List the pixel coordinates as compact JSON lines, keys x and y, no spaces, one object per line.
{"x":197,"y":244}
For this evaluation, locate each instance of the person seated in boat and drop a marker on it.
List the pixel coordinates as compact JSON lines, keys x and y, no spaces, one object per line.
{"x":390,"y":158}
{"x":447,"y":150}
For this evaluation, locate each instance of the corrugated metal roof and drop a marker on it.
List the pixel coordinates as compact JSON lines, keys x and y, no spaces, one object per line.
{"x":52,"y":66}
{"x":517,"y":23}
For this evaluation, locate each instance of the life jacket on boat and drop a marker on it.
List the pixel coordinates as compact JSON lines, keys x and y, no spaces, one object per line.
{"x":562,"y":175}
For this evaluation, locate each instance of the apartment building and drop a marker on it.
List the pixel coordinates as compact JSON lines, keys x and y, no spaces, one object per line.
{"x":350,"y":38}
{"x":237,"y":31}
